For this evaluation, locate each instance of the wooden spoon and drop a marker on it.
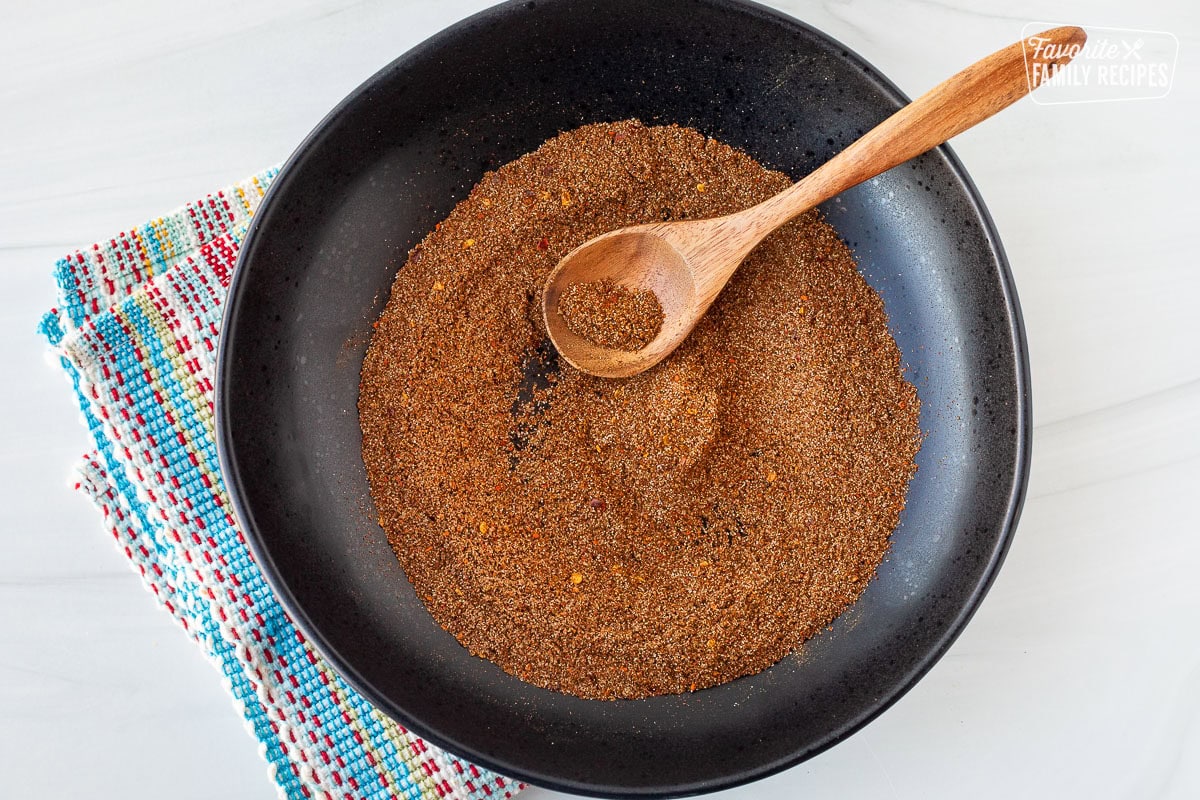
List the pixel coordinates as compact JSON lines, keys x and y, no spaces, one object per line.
{"x":686,"y":264}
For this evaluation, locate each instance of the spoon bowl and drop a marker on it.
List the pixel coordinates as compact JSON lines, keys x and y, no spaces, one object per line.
{"x":657,"y":265}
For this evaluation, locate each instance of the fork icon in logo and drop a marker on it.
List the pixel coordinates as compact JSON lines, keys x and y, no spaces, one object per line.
{"x":1132,"y":49}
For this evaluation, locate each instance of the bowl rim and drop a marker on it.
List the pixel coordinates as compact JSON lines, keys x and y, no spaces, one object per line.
{"x":1017,"y":492}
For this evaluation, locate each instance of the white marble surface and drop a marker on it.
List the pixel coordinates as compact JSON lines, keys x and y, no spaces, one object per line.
{"x":1080,"y":675}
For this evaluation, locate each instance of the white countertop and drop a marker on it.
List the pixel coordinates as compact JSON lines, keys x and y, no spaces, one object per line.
{"x":1079,"y":676}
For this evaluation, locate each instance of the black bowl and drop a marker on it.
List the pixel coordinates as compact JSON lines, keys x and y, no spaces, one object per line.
{"x":393,"y":159}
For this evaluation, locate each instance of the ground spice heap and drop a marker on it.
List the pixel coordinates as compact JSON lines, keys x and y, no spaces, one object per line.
{"x":652,"y":535}
{"x":611,"y":315}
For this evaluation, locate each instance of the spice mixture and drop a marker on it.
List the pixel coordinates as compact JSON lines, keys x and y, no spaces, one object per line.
{"x":653,"y":535}
{"x":611,"y":315}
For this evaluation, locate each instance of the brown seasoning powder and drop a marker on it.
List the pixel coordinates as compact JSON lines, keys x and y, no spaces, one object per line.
{"x":659,"y":534}
{"x":611,"y":315}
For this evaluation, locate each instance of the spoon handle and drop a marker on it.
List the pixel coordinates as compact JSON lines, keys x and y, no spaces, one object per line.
{"x":949,"y":108}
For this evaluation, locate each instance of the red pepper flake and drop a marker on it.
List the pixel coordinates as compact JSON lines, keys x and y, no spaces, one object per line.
{"x":543,"y":243}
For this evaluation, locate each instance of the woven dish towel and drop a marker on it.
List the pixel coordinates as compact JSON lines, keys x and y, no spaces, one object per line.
{"x":136,"y":329}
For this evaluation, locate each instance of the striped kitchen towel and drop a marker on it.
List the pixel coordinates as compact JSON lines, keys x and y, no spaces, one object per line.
{"x":136,"y":330}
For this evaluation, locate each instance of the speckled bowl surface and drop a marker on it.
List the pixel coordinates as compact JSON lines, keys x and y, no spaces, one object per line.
{"x":394,"y":158}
